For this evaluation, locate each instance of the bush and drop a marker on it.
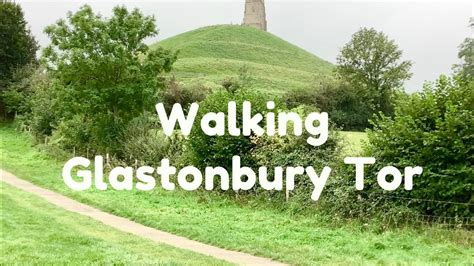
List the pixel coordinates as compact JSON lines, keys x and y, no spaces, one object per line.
{"x":32,"y":97}
{"x":346,"y":108}
{"x":219,"y":150}
{"x":144,"y":141}
{"x":71,"y":134}
{"x":243,"y":80}
{"x":18,"y":91}
{"x":433,"y":129}
{"x":290,"y":150}
{"x":177,"y":93}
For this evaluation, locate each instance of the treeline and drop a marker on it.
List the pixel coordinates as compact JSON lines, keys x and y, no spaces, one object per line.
{"x":94,"y":89}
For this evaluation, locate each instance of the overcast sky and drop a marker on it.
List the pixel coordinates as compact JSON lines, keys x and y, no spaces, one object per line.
{"x":429,"y":33}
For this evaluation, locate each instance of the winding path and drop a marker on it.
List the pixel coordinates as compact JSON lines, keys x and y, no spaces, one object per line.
{"x":133,"y":227}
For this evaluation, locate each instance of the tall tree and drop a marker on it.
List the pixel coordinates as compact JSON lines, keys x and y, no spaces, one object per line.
{"x":108,"y":73}
{"x":466,"y":54}
{"x":372,"y":63}
{"x":17,"y":46}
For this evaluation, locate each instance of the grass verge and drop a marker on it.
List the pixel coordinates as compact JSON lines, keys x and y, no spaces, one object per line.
{"x":34,"y":231}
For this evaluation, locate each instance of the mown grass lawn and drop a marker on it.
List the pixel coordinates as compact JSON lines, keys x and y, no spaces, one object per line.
{"x":290,"y":238}
{"x":34,"y":231}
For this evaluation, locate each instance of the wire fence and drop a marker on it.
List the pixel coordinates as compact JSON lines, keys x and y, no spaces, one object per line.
{"x":413,"y":218}
{"x":429,"y":200}
{"x":432,"y":220}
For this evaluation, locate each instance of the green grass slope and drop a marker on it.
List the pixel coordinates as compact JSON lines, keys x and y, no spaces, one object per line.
{"x":209,"y":55}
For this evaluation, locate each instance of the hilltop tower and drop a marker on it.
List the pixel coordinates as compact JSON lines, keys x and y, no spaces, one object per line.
{"x":255,"y":15}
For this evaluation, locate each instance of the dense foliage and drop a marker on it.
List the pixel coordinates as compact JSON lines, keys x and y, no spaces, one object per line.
{"x":466,"y":54}
{"x":292,"y":151}
{"x":341,"y":101}
{"x":176,"y":92}
{"x":372,"y":64}
{"x":19,"y":90}
{"x":106,"y":73}
{"x":433,"y":129}
{"x":17,"y":48}
{"x":369,"y":77}
{"x":219,"y":150}
{"x":144,"y":143}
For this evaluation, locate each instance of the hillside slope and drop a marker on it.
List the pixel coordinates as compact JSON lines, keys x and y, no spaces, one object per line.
{"x":209,"y":55}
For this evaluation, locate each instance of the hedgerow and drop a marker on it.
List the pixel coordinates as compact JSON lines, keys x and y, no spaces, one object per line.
{"x":433,"y":129}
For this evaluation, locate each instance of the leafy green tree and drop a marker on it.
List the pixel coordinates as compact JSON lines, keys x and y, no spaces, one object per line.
{"x":107,"y":72}
{"x":18,"y":91}
{"x":466,"y":54}
{"x":17,"y":45}
{"x":372,"y":63}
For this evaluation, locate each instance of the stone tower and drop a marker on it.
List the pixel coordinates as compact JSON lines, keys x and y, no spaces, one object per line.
{"x":255,"y":15}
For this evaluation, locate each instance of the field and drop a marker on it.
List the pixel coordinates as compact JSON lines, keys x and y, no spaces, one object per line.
{"x":211,"y":54}
{"x":291,"y":238}
{"x":35,"y":232}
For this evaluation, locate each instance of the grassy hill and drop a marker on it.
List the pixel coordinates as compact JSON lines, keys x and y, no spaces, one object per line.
{"x":211,"y":54}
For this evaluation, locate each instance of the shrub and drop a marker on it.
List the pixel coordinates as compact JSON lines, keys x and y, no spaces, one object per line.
{"x":18,"y":91}
{"x":177,"y":93}
{"x":32,"y":98}
{"x":244,"y":79}
{"x":433,"y":129}
{"x":219,"y":150}
{"x":290,"y":150}
{"x":71,"y":134}
{"x":144,"y":141}
{"x":346,"y":109}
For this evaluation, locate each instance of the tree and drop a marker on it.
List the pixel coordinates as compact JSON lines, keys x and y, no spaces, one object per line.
{"x":19,"y":90}
{"x":107,"y":72}
{"x":371,"y":63}
{"x":466,"y":54}
{"x":17,"y":45}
